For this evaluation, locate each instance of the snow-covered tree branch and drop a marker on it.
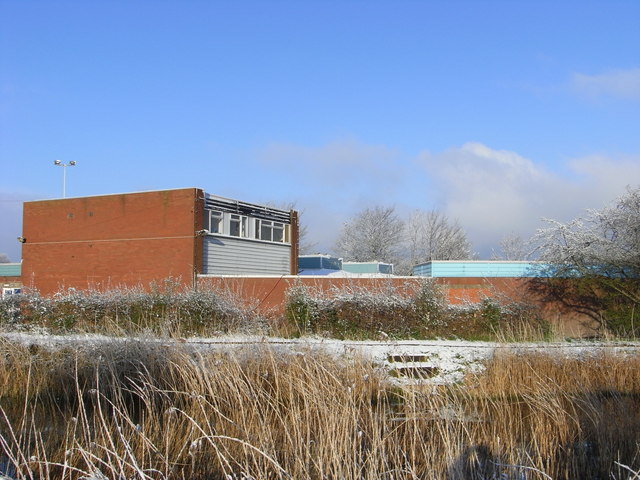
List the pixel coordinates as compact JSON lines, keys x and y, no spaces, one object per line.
{"x":431,"y":235}
{"x":601,"y":254}
{"x":379,"y":234}
{"x":374,"y":234}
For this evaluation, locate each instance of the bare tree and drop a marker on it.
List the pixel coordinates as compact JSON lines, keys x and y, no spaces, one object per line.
{"x":4,"y":258}
{"x":305,"y":245}
{"x":431,"y":235}
{"x":600,"y":255}
{"x":374,"y":234}
{"x":513,"y":247}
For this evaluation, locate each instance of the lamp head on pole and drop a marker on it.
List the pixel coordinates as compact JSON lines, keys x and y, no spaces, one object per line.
{"x":64,"y":166}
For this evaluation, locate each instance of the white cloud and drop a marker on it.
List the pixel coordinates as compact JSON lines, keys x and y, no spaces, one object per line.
{"x":331,"y":182}
{"x":493,"y":193}
{"x":337,"y":164}
{"x":623,"y":84}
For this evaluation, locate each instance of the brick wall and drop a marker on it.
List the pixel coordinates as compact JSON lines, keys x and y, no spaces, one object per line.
{"x":267,"y":294}
{"x":112,"y":240}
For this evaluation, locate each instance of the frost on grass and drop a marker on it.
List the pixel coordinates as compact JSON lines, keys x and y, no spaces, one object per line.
{"x":393,"y":312}
{"x":350,"y":312}
{"x":167,"y":309}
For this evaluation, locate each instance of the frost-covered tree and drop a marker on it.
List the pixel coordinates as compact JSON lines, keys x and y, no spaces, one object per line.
{"x":600,"y":254}
{"x":431,"y":235}
{"x":374,"y":234}
{"x":513,"y":247}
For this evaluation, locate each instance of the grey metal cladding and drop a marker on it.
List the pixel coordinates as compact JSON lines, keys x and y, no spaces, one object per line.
{"x":213,"y":202}
{"x":237,"y":256}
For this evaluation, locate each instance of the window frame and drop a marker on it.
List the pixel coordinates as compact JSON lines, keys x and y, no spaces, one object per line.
{"x":219,"y":216}
{"x":272,"y":226}
{"x":241,"y":221}
{"x":237,"y":225}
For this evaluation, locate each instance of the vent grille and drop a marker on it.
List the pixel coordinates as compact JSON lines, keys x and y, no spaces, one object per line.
{"x":213,"y":202}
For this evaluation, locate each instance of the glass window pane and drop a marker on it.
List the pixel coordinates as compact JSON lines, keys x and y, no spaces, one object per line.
{"x":237,"y":226}
{"x":265,"y":231}
{"x":234,"y":225}
{"x":278,"y":232}
{"x":215,"y":222}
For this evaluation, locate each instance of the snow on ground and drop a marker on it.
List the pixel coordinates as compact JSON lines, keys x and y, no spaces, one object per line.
{"x":435,"y":361}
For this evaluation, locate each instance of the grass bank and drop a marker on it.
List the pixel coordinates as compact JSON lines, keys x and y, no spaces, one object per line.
{"x":137,"y":410}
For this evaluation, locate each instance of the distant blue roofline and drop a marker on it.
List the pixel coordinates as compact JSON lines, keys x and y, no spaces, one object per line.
{"x":481,"y":268}
{"x":10,"y":269}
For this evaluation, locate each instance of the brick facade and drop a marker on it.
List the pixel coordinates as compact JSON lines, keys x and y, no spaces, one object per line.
{"x":110,"y":241}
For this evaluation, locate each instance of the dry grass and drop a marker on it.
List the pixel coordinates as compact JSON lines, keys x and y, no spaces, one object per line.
{"x":141,"y":411}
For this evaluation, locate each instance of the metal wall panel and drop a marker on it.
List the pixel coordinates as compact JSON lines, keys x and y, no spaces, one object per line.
{"x":315,"y":262}
{"x":237,"y":256}
{"x":368,"y":267}
{"x":10,"y":269}
{"x":483,"y":269}
{"x":422,"y":270}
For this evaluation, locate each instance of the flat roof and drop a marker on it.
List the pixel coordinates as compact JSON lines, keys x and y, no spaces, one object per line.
{"x":113,"y":194}
{"x":261,"y":205}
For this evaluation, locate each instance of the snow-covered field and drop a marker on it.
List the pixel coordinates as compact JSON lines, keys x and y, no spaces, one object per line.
{"x":436,"y":361}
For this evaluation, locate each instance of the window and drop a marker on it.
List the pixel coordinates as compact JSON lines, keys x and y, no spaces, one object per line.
{"x":242,"y":226}
{"x":265,"y":230}
{"x":271,"y":231}
{"x":215,"y":221}
{"x":237,"y":225}
{"x":278,"y":232}
{"x":10,"y":291}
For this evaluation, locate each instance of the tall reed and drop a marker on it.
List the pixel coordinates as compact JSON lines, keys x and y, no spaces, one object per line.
{"x":137,"y":410}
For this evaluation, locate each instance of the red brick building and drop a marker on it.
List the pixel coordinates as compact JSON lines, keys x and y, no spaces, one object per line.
{"x":134,"y":239}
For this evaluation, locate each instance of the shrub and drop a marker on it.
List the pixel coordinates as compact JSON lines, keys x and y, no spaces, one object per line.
{"x":358,"y":313}
{"x":166,"y":310}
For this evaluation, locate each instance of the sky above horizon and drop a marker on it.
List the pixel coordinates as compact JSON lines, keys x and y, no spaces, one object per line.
{"x":497,"y":113}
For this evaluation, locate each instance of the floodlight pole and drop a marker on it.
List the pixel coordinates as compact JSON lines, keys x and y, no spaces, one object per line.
{"x":64,"y":166}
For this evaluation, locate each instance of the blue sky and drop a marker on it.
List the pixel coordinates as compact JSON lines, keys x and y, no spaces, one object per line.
{"x":498,"y":113}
